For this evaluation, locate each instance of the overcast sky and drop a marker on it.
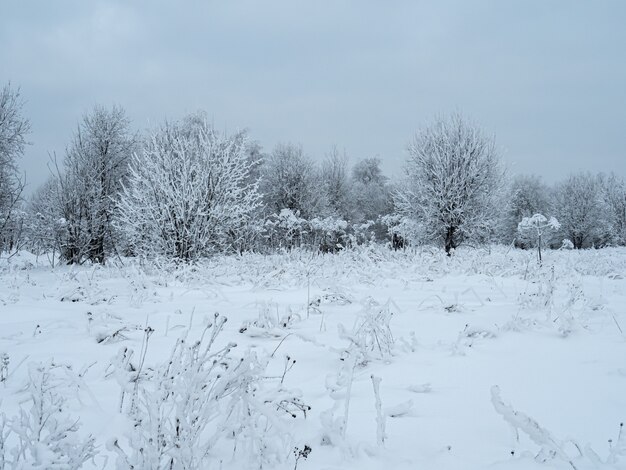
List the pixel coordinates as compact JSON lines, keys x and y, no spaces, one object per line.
{"x":548,"y":78}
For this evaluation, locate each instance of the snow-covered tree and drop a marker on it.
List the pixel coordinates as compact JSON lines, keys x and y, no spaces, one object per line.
{"x":87,"y":185}
{"x":580,"y":208}
{"x":47,"y":229}
{"x":290,"y":180}
{"x":453,"y":182}
{"x":371,"y":198}
{"x":337,"y":184}
{"x":188,"y":194}
{"x":527,"y":195}
{"x":13,"y":131}
{"x":614,"y":196}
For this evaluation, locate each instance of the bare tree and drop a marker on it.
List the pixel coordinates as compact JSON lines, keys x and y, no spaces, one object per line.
{"x":188,"y":194}
{"x":453,"y":180}
{"x":13,"y":131}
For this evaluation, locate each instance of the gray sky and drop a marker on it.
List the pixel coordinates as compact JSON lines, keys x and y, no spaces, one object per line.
{"x":548,"y":78}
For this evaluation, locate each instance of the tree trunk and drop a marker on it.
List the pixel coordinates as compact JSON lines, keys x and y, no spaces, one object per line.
{"x":449,"y":242}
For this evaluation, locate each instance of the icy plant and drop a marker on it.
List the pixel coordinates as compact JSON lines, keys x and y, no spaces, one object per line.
{"x":468,"y":336}
{"x":617,"y":449}
{"x":380,"y":417}
{"x":339,"y":387}
{"x":551,"y":448}
{"x":371,"y":337}
{"x":536,"y":227}
{"x":43,"y":436}
{"x":200,"y":398}
{"x":269,"y":322}
{"x":124,"y":372}
{"x":301,"y":454}
{"x":140,"y":286}
{"x":4,"y":367}
{"x":540,"y":292}
{"x":84,"y":287}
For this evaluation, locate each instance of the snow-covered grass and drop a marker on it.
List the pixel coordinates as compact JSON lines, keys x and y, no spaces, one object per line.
{"x":364,"y":359}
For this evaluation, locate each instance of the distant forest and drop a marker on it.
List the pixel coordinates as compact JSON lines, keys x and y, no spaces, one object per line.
{"x":186,"y":191}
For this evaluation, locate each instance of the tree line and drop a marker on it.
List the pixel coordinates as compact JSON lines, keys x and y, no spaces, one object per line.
{"x":185,"y":191}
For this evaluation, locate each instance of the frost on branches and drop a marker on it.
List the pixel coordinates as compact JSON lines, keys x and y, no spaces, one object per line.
{"x":189,"y":192}
{"x":43,"y":435}
{"x":453,"y":181}
{"x":13,"y":131}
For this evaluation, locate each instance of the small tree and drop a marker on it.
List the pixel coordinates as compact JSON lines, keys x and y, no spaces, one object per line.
{"x":453,"y":181}
{"x":536,"y":226}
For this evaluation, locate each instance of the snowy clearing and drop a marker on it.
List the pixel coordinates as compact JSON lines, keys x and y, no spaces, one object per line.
{"x":365,"y":359}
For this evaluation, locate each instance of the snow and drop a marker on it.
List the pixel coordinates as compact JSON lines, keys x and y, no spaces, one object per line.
{"x":481,"y":360}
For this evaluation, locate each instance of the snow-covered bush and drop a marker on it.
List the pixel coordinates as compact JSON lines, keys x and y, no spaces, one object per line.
{"x":402,"y":230}
{"x":285,"y":229}
{"x":43,"y":435}
{"x":329,"y":234}
{"x":188,"y":194}
{"x":371,"y":338}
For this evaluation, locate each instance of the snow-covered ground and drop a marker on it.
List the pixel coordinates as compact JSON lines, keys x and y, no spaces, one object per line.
{"x":485,"y":360}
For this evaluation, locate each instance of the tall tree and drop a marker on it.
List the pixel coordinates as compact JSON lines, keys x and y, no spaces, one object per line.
{"x":13,"y":131}
{"x":453,"y":180}
{"x":95,"y":167}
{"x":336,"y":184}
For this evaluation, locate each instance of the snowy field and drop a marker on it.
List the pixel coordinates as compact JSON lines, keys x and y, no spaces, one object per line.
{"x":482,"y":360}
